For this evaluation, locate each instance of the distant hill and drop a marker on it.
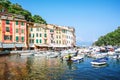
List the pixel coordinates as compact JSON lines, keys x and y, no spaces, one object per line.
{"x":7,"y":7}
{"x":112,"y":38}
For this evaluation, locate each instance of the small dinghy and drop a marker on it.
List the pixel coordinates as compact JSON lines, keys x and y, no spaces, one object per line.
{"x":100,"y":61}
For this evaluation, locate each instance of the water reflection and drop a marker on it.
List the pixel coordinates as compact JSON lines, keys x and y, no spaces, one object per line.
{"x":37,"y":68}
{"x":43,"y":68}
{"x":117,"y":61}
{"x":26,"y":68}
{"x":12,"y":69}
{"x":69,"y":64}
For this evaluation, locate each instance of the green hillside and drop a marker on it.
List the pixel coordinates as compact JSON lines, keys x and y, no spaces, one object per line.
{"x":6,"y":5}
{"x":112,"y":38}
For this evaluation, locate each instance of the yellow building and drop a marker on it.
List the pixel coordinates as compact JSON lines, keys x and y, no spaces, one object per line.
{"x":37,"y":36}
{"x":50,"y":36}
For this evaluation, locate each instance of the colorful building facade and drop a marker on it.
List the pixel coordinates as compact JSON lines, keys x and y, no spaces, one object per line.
{"x":16,"y":34}
{"x":50,"y":36}
{"x":37,"y":36}
{"x":13,"y":31}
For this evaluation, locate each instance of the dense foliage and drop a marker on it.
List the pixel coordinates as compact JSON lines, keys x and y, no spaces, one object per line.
{"x":112,"y":38}
{"x":17,"y":9}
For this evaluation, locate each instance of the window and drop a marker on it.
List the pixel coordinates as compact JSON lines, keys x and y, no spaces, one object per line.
{"x":63,"y":31}
{"x":31,"y":40}
{"x":36,"y":40}
{"x":40,"y":35}
{"x":31,"y":29}
{"x":45,"y":30}
{"x":32,"y":35}
{"x":40,"y":29}
{"x":45,"y":35}
{"x":59,"y":37}
{"x":22,"y":30}
{"x":7,"y":37}
{"x":45,"y":41}
{"x":40,"y":41}
{"x":56,"y":36}
{"x":22,"y":23}
{"x":59,"y":42}
{"x":29,"y":35}
{"x":36,"y":34}
{"x":7,"y":22}
{"x":22,"y":39}
{"x":59,"y":32}
{"x":52,"y":41}
{"x":16,"y":30}
{"x":37,"y":29}
{"x":17,"y":38}
{"x":16,"y":22}
{"x":52,"y":36}
{"x":51,"y":30}
{"x":7,"y":29}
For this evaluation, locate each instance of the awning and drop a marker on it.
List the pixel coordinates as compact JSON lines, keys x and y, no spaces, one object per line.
{"x":0,"y":45}
{"x":20,"y":45}
{"x":31,"y":45}
{"x":41,"y":45}
{"x":60,"y":46}
{"x":8,"y":45}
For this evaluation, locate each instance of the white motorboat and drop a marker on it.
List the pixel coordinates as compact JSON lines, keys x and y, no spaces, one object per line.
{"x":25,"y":54}
{"x":77,"y":58}
{"x":117,"y":50}
{"x":100,"y":61}
{"x":116,"y":57}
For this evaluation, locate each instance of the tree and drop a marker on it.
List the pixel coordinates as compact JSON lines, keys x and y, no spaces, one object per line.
{"x":4,"y":4}
{"x":112,"y":38}
{"x":17,"y":9}
{"x":38,"y":19}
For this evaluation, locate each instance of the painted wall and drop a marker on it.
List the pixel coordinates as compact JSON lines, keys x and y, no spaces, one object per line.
{"x":0,"y":31}
{"x":4,"y":32}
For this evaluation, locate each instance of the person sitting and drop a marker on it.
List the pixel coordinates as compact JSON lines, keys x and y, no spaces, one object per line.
{"x":69,"y":57}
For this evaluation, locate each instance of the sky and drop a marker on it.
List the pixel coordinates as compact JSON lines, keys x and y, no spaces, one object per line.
{"x":90,"y":18}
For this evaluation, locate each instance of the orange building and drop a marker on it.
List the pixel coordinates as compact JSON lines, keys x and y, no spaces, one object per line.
{"x":12,"y":31}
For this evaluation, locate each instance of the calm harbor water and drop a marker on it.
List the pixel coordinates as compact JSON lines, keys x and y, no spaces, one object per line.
{"x":15,"y":67}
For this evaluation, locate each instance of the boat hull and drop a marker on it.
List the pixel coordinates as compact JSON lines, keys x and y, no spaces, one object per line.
{"x":98,"y":63}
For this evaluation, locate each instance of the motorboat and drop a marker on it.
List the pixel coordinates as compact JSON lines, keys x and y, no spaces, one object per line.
{"x":117,"y":50}
{"x":25,"y":54}
{"x":77,"y":58}
{"x":100,"y":61}
{"x":116,"y":56}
